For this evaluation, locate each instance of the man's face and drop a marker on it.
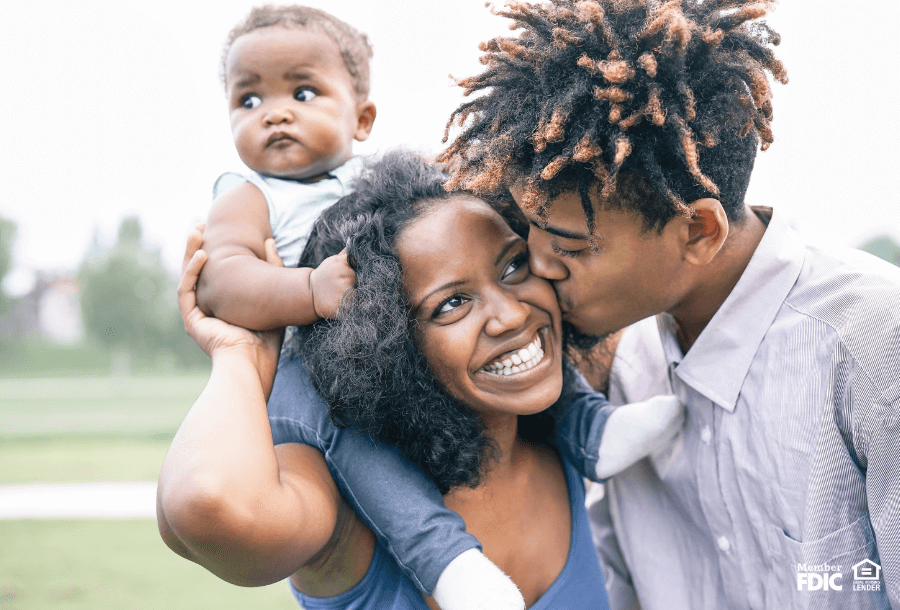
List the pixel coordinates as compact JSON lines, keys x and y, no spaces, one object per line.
{"x":633,"y":275}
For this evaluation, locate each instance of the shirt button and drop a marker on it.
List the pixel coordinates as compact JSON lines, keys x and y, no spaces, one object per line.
{"x":723,"y":543}
{"x":706,"y":434}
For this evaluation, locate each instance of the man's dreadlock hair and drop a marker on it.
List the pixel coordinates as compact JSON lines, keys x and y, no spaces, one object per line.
{"x":657,"y":103}
{"x":353,"y":44}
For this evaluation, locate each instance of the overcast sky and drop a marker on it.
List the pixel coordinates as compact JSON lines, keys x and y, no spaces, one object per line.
{"x":115,"y":108}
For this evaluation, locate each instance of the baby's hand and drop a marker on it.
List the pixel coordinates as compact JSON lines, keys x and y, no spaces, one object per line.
{"x":329,"y":282}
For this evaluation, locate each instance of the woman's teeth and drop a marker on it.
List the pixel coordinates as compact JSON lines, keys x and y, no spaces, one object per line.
{"x":522,"y":360}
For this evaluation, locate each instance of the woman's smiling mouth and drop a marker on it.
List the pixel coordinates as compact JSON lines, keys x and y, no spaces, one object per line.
{"x":517,"y":361}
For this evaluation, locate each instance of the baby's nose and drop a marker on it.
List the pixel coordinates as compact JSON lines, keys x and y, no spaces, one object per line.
{"x":278,"y":115}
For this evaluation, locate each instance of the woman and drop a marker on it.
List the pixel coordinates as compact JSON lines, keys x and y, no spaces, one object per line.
{"x":444,"y":295}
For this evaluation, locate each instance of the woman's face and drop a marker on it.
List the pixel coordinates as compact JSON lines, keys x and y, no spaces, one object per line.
{"x":489,"y":330}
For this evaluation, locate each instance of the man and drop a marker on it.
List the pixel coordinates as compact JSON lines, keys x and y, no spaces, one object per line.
{"x":626,"y":131}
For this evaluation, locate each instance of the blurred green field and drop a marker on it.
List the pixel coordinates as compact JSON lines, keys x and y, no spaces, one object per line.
{"x":101,"y":429}
{"x":112,"y":565}
{"x":90,"y":429}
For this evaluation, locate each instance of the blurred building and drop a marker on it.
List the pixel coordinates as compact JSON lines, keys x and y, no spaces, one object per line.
{"x":50,"y":311}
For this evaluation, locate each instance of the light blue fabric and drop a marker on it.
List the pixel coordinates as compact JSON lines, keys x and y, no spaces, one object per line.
{"x":790,"y":453}
{"x":294,"y":206}
{"x":578,"y":587}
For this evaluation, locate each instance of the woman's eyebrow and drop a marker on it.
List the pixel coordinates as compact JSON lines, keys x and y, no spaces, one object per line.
{"x":446,"y":286}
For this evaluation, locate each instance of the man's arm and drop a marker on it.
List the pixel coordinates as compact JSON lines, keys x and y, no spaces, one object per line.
{"x":883,"y":495}
{"x":237,"y":285}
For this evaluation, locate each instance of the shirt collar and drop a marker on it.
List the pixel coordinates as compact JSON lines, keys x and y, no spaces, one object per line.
{"x":718,"y":361}
{"x":347,"y":172}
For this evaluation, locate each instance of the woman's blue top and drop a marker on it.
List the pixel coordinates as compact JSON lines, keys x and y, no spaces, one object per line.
{"x":579,"y":586}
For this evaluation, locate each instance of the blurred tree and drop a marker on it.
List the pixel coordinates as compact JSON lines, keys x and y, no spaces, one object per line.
{"x":884,"y":248}
{"x":7,"y":239}
{"x":128,"y":302}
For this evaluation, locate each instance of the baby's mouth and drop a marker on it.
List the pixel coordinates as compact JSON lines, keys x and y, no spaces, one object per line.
{"x":519,"y":360}
{"x":280,"y":136}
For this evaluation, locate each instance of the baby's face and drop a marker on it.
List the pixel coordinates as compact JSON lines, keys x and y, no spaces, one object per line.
{"x":294,"y":109}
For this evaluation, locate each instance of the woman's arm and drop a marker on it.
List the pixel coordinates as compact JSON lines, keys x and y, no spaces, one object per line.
{"x":227,"y":499}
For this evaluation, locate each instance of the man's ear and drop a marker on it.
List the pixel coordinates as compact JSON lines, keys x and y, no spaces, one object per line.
{"x":366,"y":113}
{"x":706,"y":231}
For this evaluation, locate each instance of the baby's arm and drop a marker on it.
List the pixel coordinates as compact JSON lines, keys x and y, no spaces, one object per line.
{"x":603,"y":440}
{"x":238,"y":286}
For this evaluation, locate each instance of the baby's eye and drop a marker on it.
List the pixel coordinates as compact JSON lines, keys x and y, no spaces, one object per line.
{"x":519,"y":263}
{"x":251,"y":101}
{"x":304,"y":94}
{"x":449,"y":305}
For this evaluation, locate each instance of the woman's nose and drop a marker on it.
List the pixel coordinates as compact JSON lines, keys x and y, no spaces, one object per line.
{"x":507,"y":313}
{"x":541,"y":258}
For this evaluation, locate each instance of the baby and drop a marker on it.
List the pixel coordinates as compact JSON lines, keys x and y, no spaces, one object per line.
{"x":297,"y":81}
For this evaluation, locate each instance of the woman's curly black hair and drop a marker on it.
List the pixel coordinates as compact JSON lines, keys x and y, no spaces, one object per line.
{"x":659,"y":103}
{"x":366,"y":365}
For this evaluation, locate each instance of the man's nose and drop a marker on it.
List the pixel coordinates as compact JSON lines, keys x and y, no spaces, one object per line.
{"x":541,"y":258}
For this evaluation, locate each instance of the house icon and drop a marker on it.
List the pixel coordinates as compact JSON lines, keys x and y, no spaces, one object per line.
{"x":866,"y":570}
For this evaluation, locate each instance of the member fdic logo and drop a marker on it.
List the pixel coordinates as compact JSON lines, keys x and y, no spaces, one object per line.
{"x":819,"y":577}
{"x":825,"y":577}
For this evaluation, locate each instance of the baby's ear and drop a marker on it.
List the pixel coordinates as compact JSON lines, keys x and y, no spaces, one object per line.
{"x":366,"y":117}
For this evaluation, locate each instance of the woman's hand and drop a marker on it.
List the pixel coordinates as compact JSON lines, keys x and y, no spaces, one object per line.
{"x":212,"y":334}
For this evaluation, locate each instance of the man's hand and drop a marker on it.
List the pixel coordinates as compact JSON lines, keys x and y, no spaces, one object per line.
{"x":329,"y":282}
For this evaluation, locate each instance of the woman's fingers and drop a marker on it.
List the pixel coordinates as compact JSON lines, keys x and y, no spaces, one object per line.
{"x":272,"y":253}
{"x":187,"y":295}
{"x":194,"y":243}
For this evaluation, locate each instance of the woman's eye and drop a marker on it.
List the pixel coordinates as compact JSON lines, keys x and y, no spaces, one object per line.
{"x":304,"y":94}
{"x":564,"y":253}
{"x":251,"y":101}
{"x":519,"y":263}
{"x":449,"y":305}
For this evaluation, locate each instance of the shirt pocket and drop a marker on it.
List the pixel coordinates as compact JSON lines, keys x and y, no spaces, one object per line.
{"x":848,"y":539}
{"x":834,"y":553}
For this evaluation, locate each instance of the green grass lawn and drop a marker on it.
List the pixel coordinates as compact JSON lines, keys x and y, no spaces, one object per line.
{"x":112,"y":565}
{"x":145,"y":407}
{"x":90,"y":429}
{"x":80,"y":459}
{"x":101,"y":429}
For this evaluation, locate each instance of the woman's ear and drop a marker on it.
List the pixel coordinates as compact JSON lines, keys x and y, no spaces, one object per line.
{"x":707,"y":230}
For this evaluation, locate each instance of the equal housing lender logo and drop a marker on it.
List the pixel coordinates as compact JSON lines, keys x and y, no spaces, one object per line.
{"x":824,"y":577}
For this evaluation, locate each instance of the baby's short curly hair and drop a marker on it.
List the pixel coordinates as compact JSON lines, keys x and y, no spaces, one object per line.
{"x":650,"y":104}
{"x":353,"y":44}
{"x":366,"y":365}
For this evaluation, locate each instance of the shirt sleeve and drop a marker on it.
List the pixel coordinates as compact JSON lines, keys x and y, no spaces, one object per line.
{"x":883,"y":495}
{"x":619,"y":587}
